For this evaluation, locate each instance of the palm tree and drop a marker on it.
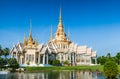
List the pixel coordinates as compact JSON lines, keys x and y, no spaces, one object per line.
{"x":0,"y":50}
{"x":6,"y":52}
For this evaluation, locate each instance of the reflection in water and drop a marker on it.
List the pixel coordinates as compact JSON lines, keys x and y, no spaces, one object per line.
{"x":53,"y":75}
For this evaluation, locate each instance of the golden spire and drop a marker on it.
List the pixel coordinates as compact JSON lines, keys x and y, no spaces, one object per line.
{"x":25,"y":41}
{"x":68,"y":35}
{"x":36,"y":42}
{"x":60,"y":34}
{"x":30,"y":39}
{"x":30,"y":35}
{"x":60,"y":18}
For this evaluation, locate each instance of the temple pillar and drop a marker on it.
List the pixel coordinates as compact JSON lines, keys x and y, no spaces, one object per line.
{"x":85,"y":60}
{"x":60,"y":46}
{"x":60,"y":58}
{"x":20,"y":60}
{"x":34,"y":59}
{"x":64,"y":57}
{"x":70,"y":57}
{"x":47,"y":59}
{"x":44,"y":59}
{"x":90,"y":61}
{"x":73,"y":59}
{"x":38,"y":58}
{"x":16,"y":55}
{"x":95,"y":60}
{"x":25,"y":59}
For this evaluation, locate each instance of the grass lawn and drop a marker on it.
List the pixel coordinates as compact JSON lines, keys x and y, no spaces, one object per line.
{"x":38,"y":69}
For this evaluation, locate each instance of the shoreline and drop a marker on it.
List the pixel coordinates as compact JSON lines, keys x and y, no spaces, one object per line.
{"x":98,"y":68}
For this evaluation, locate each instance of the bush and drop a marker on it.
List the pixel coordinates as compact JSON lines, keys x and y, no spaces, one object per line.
{"x":111,"y":69}
{"x":65,"y":62}
{"x":56,"y":62}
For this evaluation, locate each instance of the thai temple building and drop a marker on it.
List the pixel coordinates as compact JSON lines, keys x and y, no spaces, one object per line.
{"x":59,"y":47}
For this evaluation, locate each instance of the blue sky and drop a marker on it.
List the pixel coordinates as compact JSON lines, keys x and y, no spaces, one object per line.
{"x":95,"y":23}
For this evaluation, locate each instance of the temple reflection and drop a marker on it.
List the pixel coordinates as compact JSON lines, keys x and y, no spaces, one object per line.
{"x":56,"y":75}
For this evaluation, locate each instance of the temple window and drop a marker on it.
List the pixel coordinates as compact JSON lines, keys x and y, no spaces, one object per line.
{"x":30,"y":58}
{"x":68,"y":58}
{"x":27,"y":57}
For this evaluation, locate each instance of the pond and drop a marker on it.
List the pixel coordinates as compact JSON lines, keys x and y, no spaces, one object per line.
{"x":54,"y":75}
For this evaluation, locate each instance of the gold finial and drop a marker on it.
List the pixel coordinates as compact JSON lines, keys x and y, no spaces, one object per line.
{"x":36,"y":42}
{"x":30,"y":35}
{"x":30,"y":39}
{"x":68,"y":35}
{"x":60,"y":18}
{"x":25,"y":41}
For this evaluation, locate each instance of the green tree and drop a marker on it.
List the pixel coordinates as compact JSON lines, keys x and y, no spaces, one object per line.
{"x":108,"y":55}
{"x":101,"y":60}
{"x":12,"y":63}
{"x":1,"y":62}
{"x":1,"y":52}
{"x":6,"y":52}
{"x":118,"y":57}
{"x":111,"y":69}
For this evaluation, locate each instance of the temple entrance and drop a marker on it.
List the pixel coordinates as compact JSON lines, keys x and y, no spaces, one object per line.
{"x":41,"y":59}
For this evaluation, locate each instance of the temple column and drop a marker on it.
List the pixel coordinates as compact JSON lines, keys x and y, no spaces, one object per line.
{"x":25,"y":59}
{"x":47,"y":59}
{"x":90,"y":61}
{"x":20,"y":60}
{"x":64,"y":57}
{"x":44,"y":59}
{"x":16,"y":56}
{"x":34,"y":58}
{"x":38,"y":58}
{"x":95,"y":60}
{"x":70,"y":58}
{"x":60,"y":57}
{"x":73,"y":59}
{"x":85,"y":60}
{"x":60,"y":46}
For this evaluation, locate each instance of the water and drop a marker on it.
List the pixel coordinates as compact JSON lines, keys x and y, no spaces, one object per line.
{"x":54,"y":75}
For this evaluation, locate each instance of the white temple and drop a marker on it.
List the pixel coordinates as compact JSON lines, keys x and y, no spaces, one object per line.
{"x":59,"y":47}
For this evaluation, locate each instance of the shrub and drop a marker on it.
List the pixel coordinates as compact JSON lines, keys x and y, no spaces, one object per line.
{"x":56,"y":62}
{"x":65,"y":62}
{"x":111,"y":69}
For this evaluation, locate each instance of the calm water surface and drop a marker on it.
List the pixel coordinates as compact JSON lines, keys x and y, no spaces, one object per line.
{"x":54,"y":75}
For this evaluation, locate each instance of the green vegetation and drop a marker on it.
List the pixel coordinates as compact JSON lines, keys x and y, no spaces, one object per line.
{"x":91,"y":68}
{"x":102,"y":59}
{"x":55,"y":62}
{"x":12,"y":63}
{"x":7,"y":62}
{"x":111,"y":69}
{"x":66,"y":62}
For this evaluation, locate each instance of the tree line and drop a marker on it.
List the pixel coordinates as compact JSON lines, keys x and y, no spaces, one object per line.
{"x":5,"y":61}
{"x":102,"y":59}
